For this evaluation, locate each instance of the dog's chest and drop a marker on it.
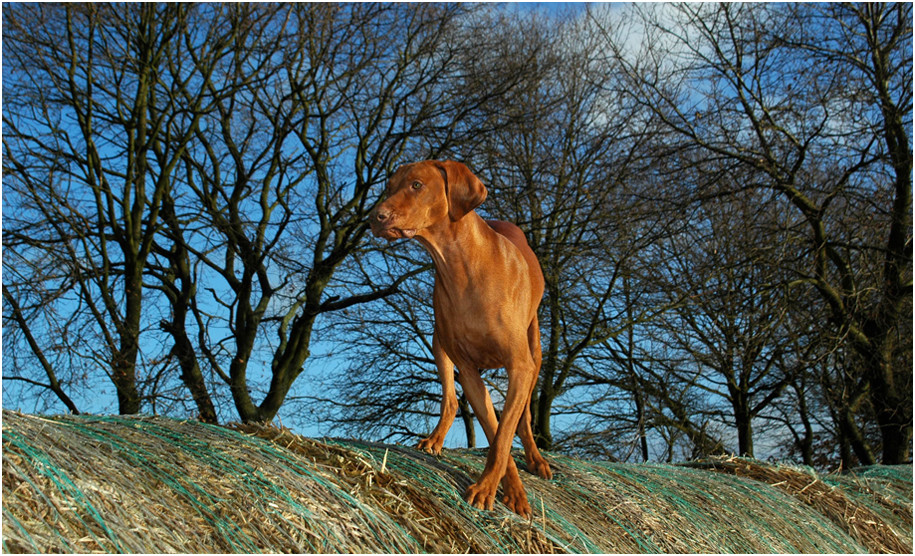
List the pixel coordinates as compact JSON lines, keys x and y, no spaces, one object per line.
{"x":473,"y":329}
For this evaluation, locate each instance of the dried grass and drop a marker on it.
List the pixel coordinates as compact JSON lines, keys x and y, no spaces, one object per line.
{"x":121,"y":484}
{"x":847,"y":511}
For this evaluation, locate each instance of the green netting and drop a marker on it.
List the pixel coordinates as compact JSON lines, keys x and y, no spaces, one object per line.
{"x":128,"y":485}
{"x":835,"y":497}
{"x":884,"y":490}
{"x":122,"y":484}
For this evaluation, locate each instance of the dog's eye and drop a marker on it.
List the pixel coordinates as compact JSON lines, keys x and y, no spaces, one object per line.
{"x":416,"y":185}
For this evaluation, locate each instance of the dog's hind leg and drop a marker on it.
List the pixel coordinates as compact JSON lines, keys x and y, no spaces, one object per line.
{"x":536,"y":464}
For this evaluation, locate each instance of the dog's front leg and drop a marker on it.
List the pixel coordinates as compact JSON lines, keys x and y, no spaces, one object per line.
{"x":433,"y":444}
{"x":482,"y":493}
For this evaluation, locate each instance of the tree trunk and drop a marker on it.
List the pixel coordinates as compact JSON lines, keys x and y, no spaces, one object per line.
{"x":124,"y":365}
{"x":540,"y":419}
{"x":891,"y":392}
{"x":744,"y":423}
{"x":179,"y":288}
{"x":852,"y":433}
{"x":640,"y":416}
{"x":805,"y":442}
{"x":192,"y":377}
{"x":893,"y":409}
{"x":467,"y":418}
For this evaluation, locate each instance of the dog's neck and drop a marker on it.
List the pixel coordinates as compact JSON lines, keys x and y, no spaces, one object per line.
{"x":449,"y":244}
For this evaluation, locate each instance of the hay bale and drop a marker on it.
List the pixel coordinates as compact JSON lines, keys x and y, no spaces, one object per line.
{"x":141,"y":484}
{"x":885,"y":491}
{"x":847,"y":501}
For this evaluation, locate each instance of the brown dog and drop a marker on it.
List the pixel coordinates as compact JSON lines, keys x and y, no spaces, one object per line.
{"x":488,"y":285}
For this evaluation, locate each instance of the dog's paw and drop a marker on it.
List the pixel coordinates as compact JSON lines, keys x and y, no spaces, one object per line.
{"x":541,"y":468}
{"x":516,"y":500}
{"x":431,"y":445}
{"x":480,"y":497}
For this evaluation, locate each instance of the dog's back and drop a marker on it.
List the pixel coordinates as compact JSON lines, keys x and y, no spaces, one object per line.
{"x":514,"y":234}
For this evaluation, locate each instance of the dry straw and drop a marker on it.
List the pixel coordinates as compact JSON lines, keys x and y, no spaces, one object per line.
{"x":122,"y":484}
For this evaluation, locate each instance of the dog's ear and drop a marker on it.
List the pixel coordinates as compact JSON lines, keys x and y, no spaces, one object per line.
{"x":465,"y":191}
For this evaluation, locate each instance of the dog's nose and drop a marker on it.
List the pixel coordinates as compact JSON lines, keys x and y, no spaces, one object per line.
{"x":382,"y":215}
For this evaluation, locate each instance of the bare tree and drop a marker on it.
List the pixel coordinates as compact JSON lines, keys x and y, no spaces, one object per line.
{"x":199,"y":176}
{"x":91,"y":139}
{"x":743,"y":91}
{"x":728,"y":309}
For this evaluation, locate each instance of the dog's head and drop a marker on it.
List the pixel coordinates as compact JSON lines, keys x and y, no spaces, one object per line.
{"x":423,"y":194}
